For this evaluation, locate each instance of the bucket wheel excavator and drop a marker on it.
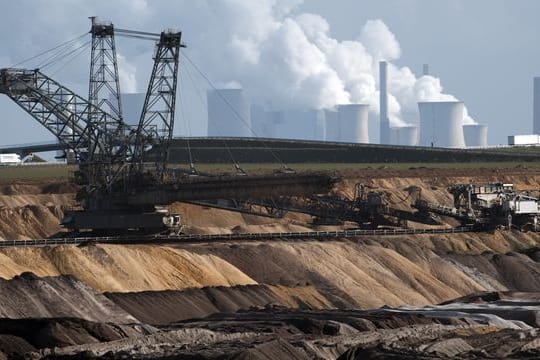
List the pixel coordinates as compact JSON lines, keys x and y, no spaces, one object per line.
{"x":125,"y":179}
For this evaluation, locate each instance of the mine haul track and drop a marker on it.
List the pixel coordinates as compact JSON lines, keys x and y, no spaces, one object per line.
{"x":214,"y":238}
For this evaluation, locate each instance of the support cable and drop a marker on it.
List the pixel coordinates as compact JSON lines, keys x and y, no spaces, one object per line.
{"x":192,"y":168}
{"x":48,"y":50}
{"x":56,"y":56}
{"x":64,"y":56}
{"x":281,"y":162}
{"x":198,"y":91}
{"x":73,"y":57}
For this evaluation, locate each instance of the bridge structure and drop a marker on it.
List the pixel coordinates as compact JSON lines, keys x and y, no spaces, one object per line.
{"x":247,"y":150}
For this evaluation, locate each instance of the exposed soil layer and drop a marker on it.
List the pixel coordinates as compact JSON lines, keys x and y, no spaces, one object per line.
{"x":365,"y":273}
{"x":28,"y":296}
{"x":280,"y":299}
{"x":34,"y":210}
{"x":265,"y":334}
{"x":19,"y":336}
{"x":164,"y":307}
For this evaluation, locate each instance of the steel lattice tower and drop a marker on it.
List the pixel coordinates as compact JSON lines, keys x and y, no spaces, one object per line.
{"x":157,"y":117}
{"x":104,"y":84}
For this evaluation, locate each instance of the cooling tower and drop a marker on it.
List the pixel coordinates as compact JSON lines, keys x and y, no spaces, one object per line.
{"x":441,"y":124}
{"x":404,"y":135}
{"x":353,"y":123}
{"x":301,"y":125}
{"x":262,"y":122}
{"x":536,"y":106}
{"x":383,"y":103}
{"x":475,"y":135}
{"x":331,"y":125}
{"x":228,"y":113}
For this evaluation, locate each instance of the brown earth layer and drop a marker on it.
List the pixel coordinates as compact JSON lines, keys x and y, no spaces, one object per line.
{"x":163,"y":284}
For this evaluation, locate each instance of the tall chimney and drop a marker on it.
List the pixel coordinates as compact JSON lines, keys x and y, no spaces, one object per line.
{"x":536,"y":106}
{"x":383,"y":101}
{"x":425,"y":69}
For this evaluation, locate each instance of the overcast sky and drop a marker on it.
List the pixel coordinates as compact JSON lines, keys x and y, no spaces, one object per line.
{"x":483,"y":52}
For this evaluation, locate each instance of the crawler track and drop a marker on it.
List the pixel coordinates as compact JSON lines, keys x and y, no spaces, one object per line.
{"x":190,"y":239}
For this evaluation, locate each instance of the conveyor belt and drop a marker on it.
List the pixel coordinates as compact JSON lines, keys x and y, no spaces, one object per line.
{"x":187,"y":239}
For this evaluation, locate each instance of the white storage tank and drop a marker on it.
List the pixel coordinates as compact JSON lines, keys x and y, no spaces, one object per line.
{"x":353,"y":123}
{"x":475,"y":135}
{"x":228,"y":113}
{"x":441,"y":124}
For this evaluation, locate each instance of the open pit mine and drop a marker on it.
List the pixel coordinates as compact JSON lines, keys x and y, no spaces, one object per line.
{"x":134,"y":257}
{"x":474,"y":294}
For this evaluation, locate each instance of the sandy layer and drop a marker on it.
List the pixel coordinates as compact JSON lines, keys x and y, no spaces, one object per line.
{"x":124,"y":268}
{"x":367,"y":273}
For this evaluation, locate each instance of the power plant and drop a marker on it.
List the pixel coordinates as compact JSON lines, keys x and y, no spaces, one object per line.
{"x":384,"y":121}
{"x":262,"y":122}
{"x":353,"y":123}
{"x":228,"y":113}
{"x":441,"y":124}
{"x":536,"y":105}
{"x":300,"y":124}
{"x":475,"y":135}
{"x":530,"y":139}
{"x":332,"y":128}
{"x":404,"y":135}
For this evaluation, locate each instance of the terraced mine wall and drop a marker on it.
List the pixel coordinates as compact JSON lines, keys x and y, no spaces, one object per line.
{"x":271,"y":299}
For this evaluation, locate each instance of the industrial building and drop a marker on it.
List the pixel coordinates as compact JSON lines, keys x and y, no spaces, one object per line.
{"x":228,"y":113}
{"x":262,"y":122}
{"x":475,"y":135}
{"x":441,"y":124}
{"x":534,"y":138}
{"x":404,"y":135}
{"x":524,"y":140}
{"x":353,"y":123}
{"x":10,"y":159}
{"x":536,"y":105}
{"x":331,"y":122}
{"x":300,"y":124}
{"x":383,"y":103}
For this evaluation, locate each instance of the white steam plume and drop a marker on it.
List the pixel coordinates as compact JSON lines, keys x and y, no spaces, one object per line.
{"x":127,"y":72}
{"x":292,"y":61}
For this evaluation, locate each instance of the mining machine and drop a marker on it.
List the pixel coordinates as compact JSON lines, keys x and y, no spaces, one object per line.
{"x":488,"y":205}
{"x":125,"y":180}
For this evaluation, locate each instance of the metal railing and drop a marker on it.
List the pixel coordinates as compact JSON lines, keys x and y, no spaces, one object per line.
{"x":198,"y":238}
